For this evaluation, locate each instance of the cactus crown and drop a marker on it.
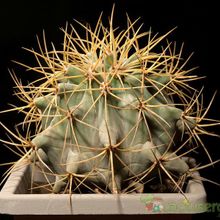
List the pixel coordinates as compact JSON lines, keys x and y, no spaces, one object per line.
{"x":110,"y":115}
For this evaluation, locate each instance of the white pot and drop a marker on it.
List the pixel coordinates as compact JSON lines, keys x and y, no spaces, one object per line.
{"x":15,"y":200}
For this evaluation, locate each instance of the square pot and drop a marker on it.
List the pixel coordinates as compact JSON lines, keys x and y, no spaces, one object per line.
{"x":15,"y":199}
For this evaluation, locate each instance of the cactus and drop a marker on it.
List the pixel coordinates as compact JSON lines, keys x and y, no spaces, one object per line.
{"x":108,"y":115}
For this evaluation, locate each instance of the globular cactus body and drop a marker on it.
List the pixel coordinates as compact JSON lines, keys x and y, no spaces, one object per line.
{"x":110,"y":127}
{"x":105,"y":110}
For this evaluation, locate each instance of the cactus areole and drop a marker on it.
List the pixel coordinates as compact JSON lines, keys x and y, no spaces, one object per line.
{"x":108,"y":114}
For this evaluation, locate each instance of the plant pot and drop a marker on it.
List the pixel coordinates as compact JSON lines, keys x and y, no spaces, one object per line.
{"x":15,"y":199}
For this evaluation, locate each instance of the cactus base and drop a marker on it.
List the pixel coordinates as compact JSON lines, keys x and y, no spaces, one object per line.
{"x":15,"y":199}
